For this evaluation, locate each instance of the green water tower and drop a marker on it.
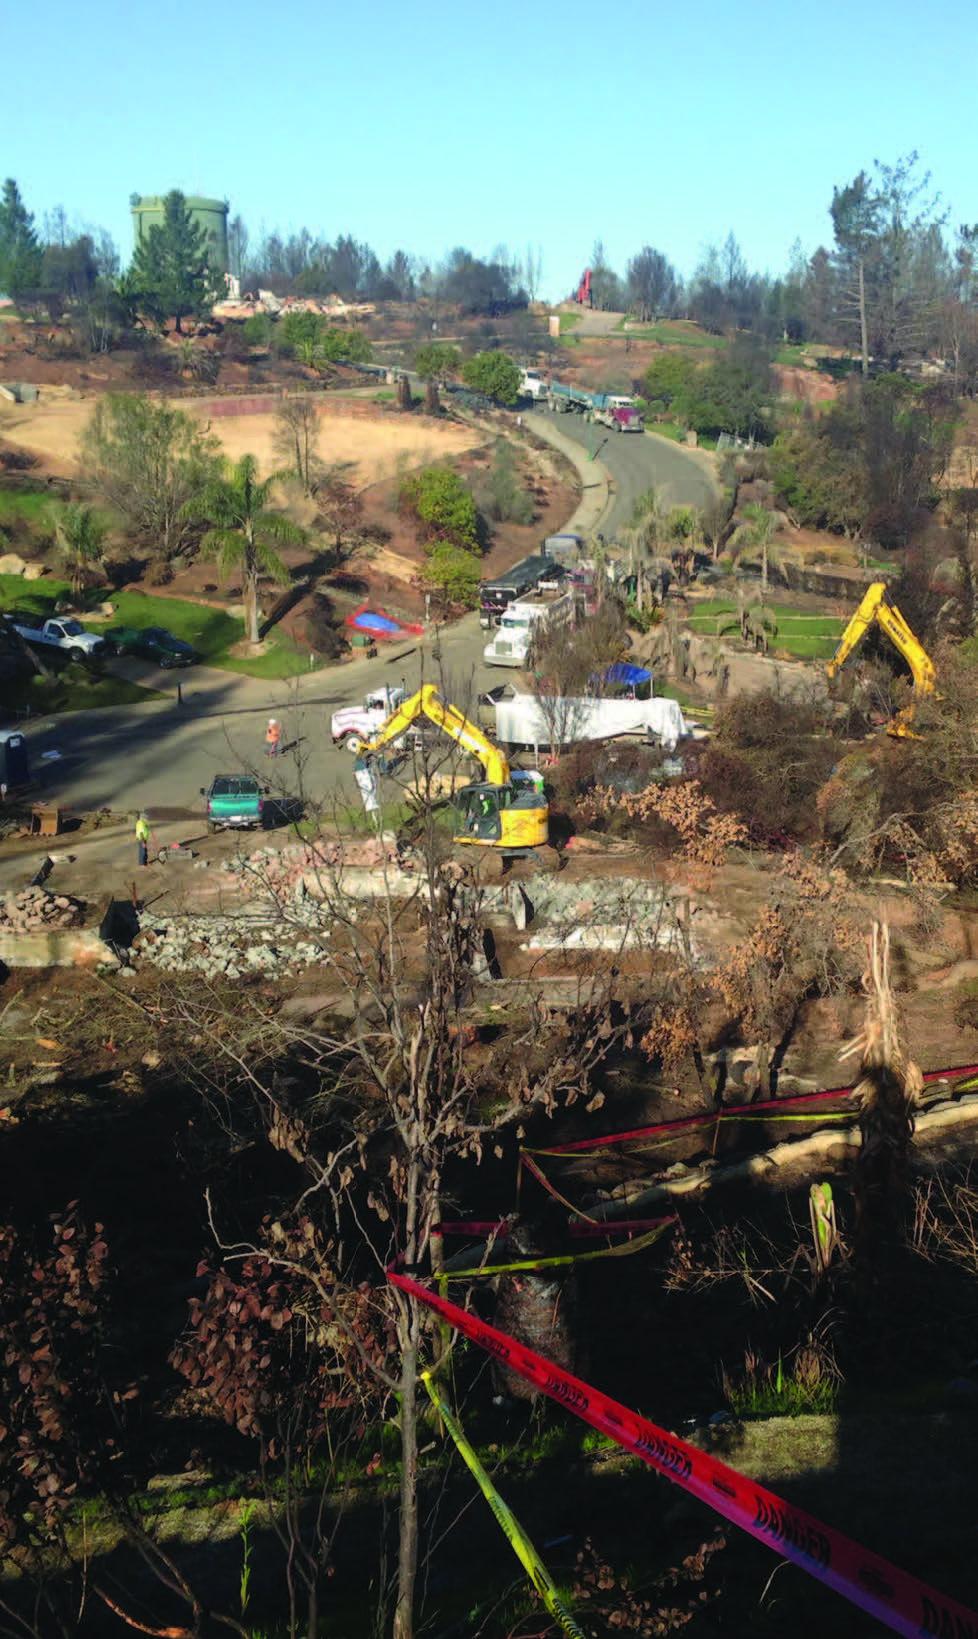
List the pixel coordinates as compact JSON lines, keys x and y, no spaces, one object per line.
{"x":209,"y":214}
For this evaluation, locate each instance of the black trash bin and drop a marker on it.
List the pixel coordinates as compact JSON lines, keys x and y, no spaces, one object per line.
{"x":15,"y":767}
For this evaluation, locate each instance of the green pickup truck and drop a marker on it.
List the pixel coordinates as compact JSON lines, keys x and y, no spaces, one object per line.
{"x":234,"y":800}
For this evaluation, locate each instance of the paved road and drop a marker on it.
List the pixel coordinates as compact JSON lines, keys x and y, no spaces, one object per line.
{"x":158,"y":755}
{"x":636,"y":464}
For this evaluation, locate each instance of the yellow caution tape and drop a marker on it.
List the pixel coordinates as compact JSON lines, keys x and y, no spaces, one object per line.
{"x":623,"y":1250}
{"x":517,"y":1537}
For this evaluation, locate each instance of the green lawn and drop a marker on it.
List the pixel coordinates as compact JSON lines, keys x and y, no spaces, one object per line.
{"x":73,"y":690}
{"x":27,"y":506}
{"x":568,"y":321}
{"x":800,"y":634}
{"x":210,"y":631}
{"x":670,"y":333}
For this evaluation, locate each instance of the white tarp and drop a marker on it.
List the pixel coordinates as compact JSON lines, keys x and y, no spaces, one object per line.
{"x":368,"y":781}
{"x":523,"y":721}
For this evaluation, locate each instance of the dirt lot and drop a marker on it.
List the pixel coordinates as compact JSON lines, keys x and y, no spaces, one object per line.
{"x":373,"y":446}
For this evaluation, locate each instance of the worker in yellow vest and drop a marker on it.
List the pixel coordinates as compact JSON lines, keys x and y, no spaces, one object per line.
{"x":142,"y":839}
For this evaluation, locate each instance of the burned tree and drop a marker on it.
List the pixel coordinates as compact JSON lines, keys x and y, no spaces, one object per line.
{"x":373,"y":1115}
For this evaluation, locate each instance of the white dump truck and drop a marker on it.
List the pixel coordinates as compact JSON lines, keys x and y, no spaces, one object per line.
{"x":510,"y":645}
{"x":352,"y":726}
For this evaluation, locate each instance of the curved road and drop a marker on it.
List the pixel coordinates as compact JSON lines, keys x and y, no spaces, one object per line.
{"x":158,"y":754}
{"x":637,"y":464}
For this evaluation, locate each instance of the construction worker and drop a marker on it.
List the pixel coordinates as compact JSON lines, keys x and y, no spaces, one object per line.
{"x":142,"y":838}
{"x":273,"y":734}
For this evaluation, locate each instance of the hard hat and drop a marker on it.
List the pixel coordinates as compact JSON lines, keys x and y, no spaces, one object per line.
{"x":143,"y":814}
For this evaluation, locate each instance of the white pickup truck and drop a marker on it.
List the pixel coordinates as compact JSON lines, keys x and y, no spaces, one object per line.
{"x":63,"y":633}
{"x":352,"y":726}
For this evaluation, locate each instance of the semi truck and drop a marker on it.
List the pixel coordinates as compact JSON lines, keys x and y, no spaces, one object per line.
{"x":532,"y":385}
{"x":615,"y":410}
{"x":511,"y":641}
{"x":352,"y":726}
{"x":496,"y":595}
{"x":621,"y":418}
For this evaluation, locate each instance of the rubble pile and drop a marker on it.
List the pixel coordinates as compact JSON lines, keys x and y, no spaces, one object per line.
{"x":592,"y":914}
{"x":33,"y":910}
{"x":230,"y":946}
{"x":276,"y":868}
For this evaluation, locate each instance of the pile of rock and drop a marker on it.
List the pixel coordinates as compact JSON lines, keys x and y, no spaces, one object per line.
{"x":34,"y":909}
{"x":228,"y":946}
{"x":278,"y":867}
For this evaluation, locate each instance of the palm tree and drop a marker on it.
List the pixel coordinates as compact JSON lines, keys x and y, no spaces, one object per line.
{"x":756,"y":533}
{"x":79,"y":533}
{"x":244,"y":531}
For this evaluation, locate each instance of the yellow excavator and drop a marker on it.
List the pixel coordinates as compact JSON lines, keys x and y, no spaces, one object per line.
{"x":876,"y":610}
{"x":508,"y":810}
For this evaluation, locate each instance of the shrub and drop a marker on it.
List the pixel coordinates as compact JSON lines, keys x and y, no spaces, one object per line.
{"x":494,"y":374}
{"x":964,"y":1005}
{"x":504,"y":498}
{"x":767,"y":764}
{"x":159,"y":572}
{"x":442,"y":506}
{"x":454,"y":573}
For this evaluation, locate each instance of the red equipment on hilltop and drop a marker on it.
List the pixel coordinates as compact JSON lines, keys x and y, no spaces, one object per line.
{"x":583,"y":292}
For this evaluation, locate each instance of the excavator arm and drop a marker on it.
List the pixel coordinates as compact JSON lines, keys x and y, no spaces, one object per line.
{"x":858,"y":626}
{"x":464,"y":733}
{"x":916,"y":656}
{"x":876,"y":611}
{"x":428,"y":703}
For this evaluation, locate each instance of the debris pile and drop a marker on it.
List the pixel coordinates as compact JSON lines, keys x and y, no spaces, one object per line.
{"x":274,"y":868}
{"x":34,"y":909}
{"x":230,"y":946}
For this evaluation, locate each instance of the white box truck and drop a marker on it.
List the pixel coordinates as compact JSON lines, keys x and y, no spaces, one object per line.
{"x":523,"y":720}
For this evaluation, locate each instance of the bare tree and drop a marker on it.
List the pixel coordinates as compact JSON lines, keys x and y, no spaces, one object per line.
{"x":340,"y":511}
{"x":568,"y":666}
{"x":398,"y":1100}
{"x":296,"y":438}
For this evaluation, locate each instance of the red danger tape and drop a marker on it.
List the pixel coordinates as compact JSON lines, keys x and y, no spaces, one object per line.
{"x":894,"y":1597}
{"x":587,"y":1230}
{"x":771,"y":1109}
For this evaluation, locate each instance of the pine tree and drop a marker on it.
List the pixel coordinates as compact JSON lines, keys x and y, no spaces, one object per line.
{"x":171,"y":273}
{"x":20,"y":252}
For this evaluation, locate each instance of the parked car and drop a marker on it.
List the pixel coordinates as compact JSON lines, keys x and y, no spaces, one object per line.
{"x":153,"y":643}
{"x":235,"y":801}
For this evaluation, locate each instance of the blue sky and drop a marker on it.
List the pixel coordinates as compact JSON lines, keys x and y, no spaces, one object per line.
{"x":548,"y":126}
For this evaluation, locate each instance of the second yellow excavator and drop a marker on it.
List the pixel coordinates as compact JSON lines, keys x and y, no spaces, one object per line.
{"x":508,"y":810}
{"x":876,"y":610}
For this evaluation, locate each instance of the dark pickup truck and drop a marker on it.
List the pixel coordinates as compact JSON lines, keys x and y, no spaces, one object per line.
{"x":153,"y":643}
{"x":234,"y":801}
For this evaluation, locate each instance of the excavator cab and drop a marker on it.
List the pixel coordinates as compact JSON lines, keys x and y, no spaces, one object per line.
{"x":478,"y":810}
{"x":514,"y":818}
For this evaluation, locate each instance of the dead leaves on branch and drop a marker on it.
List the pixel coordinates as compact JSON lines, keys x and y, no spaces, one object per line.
{"x":707,"y":836}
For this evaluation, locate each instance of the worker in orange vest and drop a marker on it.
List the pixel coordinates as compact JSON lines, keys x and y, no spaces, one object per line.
{"x":273,"y":734}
